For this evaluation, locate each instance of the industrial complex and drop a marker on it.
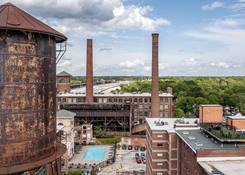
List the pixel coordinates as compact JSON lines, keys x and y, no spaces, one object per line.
{"x":47,"y":127}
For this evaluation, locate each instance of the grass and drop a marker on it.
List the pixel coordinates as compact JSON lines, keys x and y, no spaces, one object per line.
{"x":74,"y":172}
{"x":109,"y":141}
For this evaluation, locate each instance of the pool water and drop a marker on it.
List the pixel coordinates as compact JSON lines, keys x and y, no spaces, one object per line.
{"x":95,"y":153}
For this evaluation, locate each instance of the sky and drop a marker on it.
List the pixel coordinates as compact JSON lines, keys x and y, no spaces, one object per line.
{"x":196,"y":37}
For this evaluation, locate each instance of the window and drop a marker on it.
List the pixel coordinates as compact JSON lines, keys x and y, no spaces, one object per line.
{"x":159,"y":144}
{"x":61,"y":81}
{"x":159,"y":164}
{"x":159,"y":136}
{"x":159,"y":154}
{"x":159,"y":173}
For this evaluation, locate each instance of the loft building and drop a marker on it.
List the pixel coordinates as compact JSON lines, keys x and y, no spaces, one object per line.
{"x":123,"y":112}
{"x":190,"y":147}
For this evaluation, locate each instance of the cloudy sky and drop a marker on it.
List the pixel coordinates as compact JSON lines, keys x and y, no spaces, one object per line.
{"x":197,"y":37}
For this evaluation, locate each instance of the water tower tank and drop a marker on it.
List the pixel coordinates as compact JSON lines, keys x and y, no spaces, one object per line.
{"x":27,"y":91}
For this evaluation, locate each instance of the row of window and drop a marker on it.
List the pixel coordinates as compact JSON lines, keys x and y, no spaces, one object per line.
{"x":111,"y":100}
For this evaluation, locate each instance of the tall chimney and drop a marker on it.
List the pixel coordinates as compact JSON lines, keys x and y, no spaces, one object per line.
{"x":155,"y":100}
{"x":89,"y":72}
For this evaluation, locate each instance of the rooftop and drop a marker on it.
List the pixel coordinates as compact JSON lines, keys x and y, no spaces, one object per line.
{"x":237,"y":116}
{"x":104,"y":90}
{"x":65,"y":114}
{"x":197,"y":140}
{"x":172,"y":124}
{"x":211,"y":105}
{"x":231,"y":167}
{"x":63,"y":74}
{"x":13,"y":18}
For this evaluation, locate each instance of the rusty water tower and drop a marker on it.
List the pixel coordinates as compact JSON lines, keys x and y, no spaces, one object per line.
{"x":28,"y":139}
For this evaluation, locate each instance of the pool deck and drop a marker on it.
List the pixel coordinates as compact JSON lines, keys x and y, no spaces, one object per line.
{"x":78,"y":157}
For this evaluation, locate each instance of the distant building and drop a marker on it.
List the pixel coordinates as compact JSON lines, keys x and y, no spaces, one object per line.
{"x":118,"y":112}
{"x":189,"y":146}
{"x":63,"y":82}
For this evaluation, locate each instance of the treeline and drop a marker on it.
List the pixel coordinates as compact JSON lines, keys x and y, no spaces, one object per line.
{"x":81,"y":80}
{"x":190,"y":92}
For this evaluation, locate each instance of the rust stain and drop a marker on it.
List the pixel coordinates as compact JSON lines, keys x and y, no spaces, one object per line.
{"x":27,"y":99}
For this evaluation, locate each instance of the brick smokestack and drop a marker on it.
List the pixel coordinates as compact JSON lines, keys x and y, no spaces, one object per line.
{"x":89,"y":72}
{"x":155,"y":100}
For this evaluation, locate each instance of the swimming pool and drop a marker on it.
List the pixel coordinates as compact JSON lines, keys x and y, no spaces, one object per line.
{"x":95,"y":153}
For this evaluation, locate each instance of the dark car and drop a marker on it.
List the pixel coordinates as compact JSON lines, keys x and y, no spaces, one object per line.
{"x":137,"y":155}
{"x":124,"y":147}
{"x":130,"y":147}
{"x":142,"y":148}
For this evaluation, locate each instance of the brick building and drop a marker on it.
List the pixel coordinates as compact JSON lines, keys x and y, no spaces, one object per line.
{"x":63,"y":82}
{"x":188,"y":146}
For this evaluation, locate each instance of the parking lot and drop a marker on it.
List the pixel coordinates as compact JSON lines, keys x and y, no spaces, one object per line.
{"x":125,"y":162}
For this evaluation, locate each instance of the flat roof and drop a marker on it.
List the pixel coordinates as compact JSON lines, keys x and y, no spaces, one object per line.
{"x":113,"y":95}
{"x":104,"y":90}
{"x":168,"y":124}
{"x":211,"y":105}
{"x":197,"y":140}
{"x":229,"y":167}
{"x":238,"y":116}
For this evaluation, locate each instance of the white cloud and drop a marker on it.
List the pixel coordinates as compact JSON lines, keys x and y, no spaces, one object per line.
{"x":212,"y":6}
{"x":134,"y":17}
{"x":238,"y":5}
{"x":132,"y":64}
{"x":220,"y":65}
{"x":93,"y":17}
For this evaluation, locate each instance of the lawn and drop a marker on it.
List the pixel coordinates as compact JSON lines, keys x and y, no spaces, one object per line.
{"x":109,"y":141}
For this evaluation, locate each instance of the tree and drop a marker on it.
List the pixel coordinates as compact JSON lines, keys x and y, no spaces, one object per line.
{"x":179,"y":113}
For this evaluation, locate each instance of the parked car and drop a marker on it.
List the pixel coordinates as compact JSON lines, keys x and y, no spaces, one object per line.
{"x":130,"y":147}
{"x":138,"y":160}
{"x":144,"y":160}
{"x":142,"y":155}
{"x":136,"y":147}
{"x":124,"y":147}
{"x":142,"y":148}
{"x":137,"y":155}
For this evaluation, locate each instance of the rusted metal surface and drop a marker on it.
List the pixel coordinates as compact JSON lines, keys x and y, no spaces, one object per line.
{"x":11,"y":17}
{"x":27,"y":98}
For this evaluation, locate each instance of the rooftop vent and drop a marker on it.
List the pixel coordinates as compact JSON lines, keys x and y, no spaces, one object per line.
{"x":191,"y":138}
{"x":198,"y":144}
{"x":185,"y":132}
